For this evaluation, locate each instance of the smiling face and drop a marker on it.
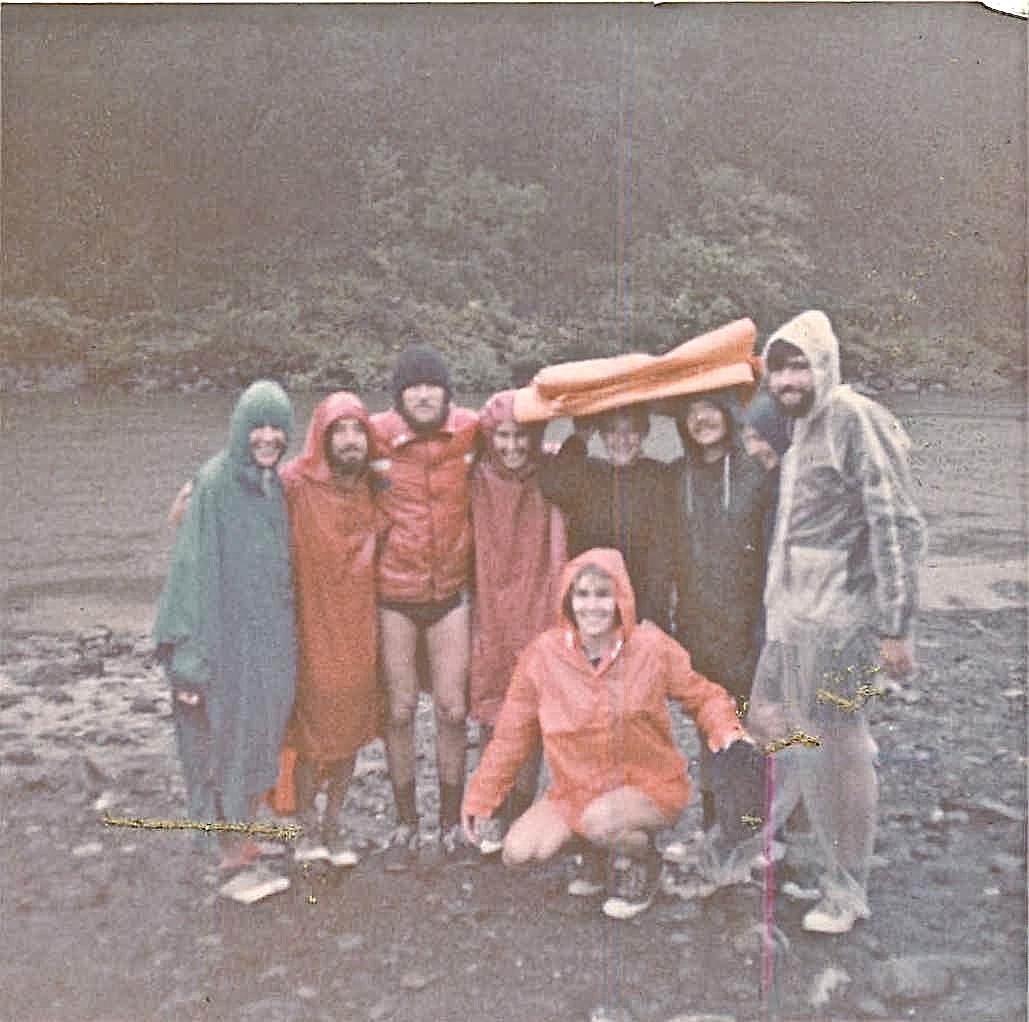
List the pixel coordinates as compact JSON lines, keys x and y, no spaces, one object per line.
{"x":792,"y":383}
{"x":511,"y":444}
{"x":423,"y":404}
{"x":267,"y":445}
{"x":705,"y":423}
{"x":347,"y":446}
{"x":594,"y":608}
{"x":622,"y":434}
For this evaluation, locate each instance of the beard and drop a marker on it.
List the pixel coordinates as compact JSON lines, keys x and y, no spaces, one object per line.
{"x":347,"y":464}
{"x":797,"y":409}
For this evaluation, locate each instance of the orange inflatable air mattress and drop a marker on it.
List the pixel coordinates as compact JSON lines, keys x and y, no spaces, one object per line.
{"x":720,"y":358}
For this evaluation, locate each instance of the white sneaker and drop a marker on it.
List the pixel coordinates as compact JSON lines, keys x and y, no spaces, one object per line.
{"x":309,"y":850}
{"x":831,"y":917}
{"x":337,"y":851}
{"x":254,"y":885}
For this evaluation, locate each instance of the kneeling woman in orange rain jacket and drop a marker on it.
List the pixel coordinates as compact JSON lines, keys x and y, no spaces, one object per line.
{"x":594,"y":688}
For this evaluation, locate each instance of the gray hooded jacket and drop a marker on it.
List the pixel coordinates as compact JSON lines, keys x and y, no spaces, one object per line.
{"x":848,"y":537}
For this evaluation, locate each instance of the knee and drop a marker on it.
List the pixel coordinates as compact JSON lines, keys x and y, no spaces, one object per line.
{"x":599,"y":825}
{"x":401,"y":713}
{"x":451,"y":711}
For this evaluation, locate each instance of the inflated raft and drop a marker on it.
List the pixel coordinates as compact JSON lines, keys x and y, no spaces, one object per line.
{"x":711,"y":361}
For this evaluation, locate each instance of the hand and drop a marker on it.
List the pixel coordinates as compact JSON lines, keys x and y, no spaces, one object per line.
{"x":470,"y":826}
{"x":733,"y":740}
{"x":180,"y":504}
{"x":897,"y":657}
{"x":551,"y":447}
{"x":187,"y":696}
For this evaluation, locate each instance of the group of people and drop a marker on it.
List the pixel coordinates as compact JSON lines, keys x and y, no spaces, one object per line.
{"x":558,"y":600}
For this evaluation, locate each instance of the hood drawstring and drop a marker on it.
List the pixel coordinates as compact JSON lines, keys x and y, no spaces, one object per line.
{"x":726,"y":484}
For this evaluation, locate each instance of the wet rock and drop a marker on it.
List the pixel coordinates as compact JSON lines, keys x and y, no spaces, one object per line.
{"x":986,"y":810}
{"x":89,"y":667}
{"x":278,"y":1008}
{"x":382,"y":1008}
{"x":87,"y":850}
{"x":144,"y":704}
{"x":349,"y":942}
{"x":1007,"y":865}
{"x":90,"y":777}
{"x":830,"y":980}
{"x":58,"y":695}
{"x":10,"y":699}
{"x":871,"y":1007}
{"x":278,"y":971}
{"x":95,"y":641}
{"x":49,"y":675}
{"x":20,"y":756}
{"x":415,"y":980}
{"x":610,"y":1013}
{"x":702,"y":1017}
{"x":919,"y":977}
{"x":907,"y":387}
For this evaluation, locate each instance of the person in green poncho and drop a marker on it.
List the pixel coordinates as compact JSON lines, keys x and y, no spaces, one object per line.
{"x":225,"y":624}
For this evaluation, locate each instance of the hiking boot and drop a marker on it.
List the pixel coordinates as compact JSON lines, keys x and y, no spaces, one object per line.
{"x":254,"y":885}
{"x":309,"y":849}
{"x":635,"y":886}
{"x":401,"y":850}
{"x":442,"y":848}
{"x":593,"y":873}
{"x":338,"y":849}
{"x":832,"y":916}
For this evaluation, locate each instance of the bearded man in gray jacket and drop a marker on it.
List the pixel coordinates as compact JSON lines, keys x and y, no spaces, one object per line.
{"x":841,"y":591}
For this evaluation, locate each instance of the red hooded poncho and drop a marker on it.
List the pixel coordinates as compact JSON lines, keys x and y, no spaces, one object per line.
{"x":520,"y":547}
{"x":333,"y":530}
{"x":606,"y":727}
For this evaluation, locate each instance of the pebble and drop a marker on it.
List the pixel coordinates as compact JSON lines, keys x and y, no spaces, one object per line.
{"x":349,"y":942}
{"x":87,"y":850}
{"x":415,"y":980}
{"x":871,"y":1007}
{"x":702,"y":1017}
{"x":825,"y":984}
{"x":1007,"y":864}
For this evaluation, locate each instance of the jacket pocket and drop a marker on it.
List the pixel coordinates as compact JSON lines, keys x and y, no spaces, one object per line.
{"x":817,"y":584}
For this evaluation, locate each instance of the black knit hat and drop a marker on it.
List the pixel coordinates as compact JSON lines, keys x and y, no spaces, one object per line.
{"x":419,"y":364}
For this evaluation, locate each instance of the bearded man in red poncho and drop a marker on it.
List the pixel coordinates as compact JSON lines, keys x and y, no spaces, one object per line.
{"x":334,"y":529}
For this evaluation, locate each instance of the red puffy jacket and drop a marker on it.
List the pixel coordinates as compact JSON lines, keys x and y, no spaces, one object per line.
{"x":426,"y":555}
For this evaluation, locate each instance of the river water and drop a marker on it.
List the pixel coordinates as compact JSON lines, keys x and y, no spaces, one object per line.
{"x":88,"y":480}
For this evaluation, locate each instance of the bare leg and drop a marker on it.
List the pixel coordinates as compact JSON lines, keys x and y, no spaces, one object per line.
{"x":624,"y":820}
{"x":397,"y":640}
{"x":339,"y":773}
{"x":305,"y":784}
{"x":448,"y":648}
{"x":537,"y":835}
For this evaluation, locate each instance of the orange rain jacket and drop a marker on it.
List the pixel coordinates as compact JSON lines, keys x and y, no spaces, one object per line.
{"x":602,"y":728}
{"x":426,"y":555}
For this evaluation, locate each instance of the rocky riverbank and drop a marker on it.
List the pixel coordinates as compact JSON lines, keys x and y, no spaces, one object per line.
{"x":119,"y":924}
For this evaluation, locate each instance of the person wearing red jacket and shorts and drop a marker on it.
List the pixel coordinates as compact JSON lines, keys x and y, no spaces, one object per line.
{"x":427,"y":447}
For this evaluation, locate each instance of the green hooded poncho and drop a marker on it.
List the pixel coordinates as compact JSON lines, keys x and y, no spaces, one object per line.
{"x":225,"y":625}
